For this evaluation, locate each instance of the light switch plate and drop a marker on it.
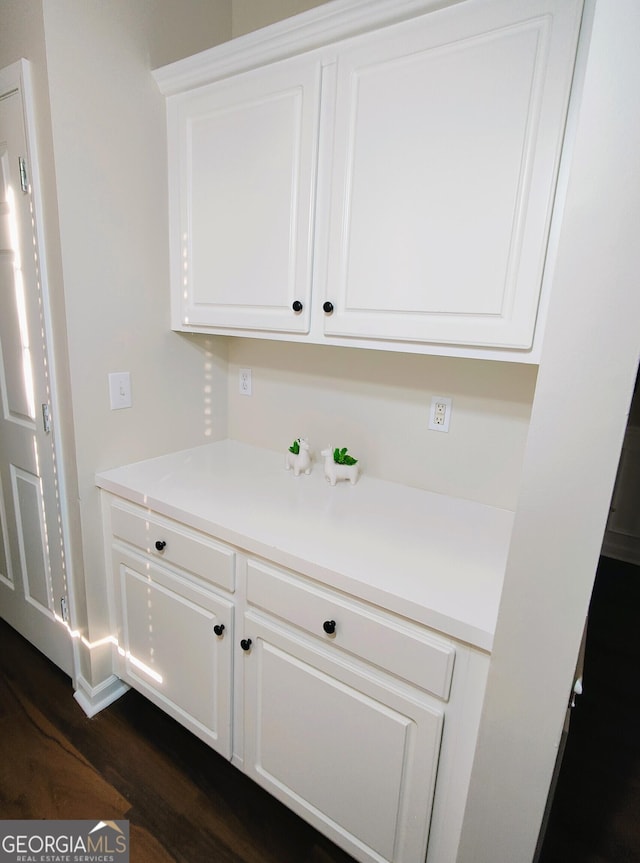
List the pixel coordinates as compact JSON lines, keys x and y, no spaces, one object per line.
{"x":120,"y":390}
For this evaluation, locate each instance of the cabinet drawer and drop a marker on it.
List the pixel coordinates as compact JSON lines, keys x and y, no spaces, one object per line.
{"x":391,"y":643}
{"x":188,"y":549}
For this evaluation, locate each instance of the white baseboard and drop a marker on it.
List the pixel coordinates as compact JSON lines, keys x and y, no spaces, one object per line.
{"x":93,"y":699}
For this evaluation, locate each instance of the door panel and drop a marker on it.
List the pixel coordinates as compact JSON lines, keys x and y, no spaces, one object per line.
{"x":17,"y":379}
{"x":6,"y":572}
{"x":29,"y":510}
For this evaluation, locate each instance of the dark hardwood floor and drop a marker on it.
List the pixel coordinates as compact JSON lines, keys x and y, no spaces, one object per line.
{"x":184,"y":803}
{"x":595,"y":817}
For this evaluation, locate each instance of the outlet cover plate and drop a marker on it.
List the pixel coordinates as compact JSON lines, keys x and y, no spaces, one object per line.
{"x":244,"y":382}
{"x":440,"y":413}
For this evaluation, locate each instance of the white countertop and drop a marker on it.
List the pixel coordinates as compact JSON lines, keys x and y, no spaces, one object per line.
{"x":435,"y":559}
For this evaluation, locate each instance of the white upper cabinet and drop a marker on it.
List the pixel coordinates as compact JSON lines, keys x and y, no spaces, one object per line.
{"x":391,"y":188}
{"x":243,"y":169}
{"x":447,"y":141}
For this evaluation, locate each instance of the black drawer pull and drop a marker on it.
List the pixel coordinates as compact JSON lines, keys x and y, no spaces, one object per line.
{"x":327,"y":307}
{"x":160,"y":545}
{"x":245,"y":644}
{"x":218,"y":628}
{"x":329,"y":626}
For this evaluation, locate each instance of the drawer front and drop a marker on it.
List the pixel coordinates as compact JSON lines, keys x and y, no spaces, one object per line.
{"x":392,"y":644}
{"x":185,"y":548}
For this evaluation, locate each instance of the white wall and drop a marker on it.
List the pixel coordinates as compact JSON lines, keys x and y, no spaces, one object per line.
{"x":377,"y":404}
{"x":248,"y":15}
{"x":110,"y":167}
{"x":175,"y":29}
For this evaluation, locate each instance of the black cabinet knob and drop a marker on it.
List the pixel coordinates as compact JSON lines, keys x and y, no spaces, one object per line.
{"x":160,"y":544}
{"x":328,"y":307}
{"x":329,"y":626}
{"x":245,"y":643}
{"x":218,"y":628}
{"x":297,"y":306}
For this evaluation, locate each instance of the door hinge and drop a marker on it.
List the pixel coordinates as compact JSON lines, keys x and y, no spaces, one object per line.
{"x":46,"y":418}
{"x":24,"y":181}
{"x":64,"y":608}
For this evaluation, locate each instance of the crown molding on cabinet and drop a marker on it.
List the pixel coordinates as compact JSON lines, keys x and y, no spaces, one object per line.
{"x":316,"y":28}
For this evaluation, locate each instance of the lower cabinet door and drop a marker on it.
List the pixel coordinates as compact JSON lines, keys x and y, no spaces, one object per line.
{"x":170,"y":650}
{"x":350,"y":753}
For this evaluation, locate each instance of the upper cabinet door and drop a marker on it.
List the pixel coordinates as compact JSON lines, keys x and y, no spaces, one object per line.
{"x":242,"y":199}
{"x":448,"y":132}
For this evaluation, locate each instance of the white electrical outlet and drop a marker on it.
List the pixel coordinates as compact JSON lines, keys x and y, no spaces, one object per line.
{"x":120,"y":390}
{"x":245,"y":382}
{"x":440,"y":414}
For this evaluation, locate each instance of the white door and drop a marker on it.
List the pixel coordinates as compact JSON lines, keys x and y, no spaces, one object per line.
{"x":33,"y":591}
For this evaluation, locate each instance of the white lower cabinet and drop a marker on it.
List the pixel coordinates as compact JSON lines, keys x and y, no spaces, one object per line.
{"x":360,"y":720}
{"x":343,"y":712}
{"x":350,"y":753}
{"x":173,"y":634}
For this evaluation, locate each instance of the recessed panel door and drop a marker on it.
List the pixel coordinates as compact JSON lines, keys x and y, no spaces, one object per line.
{"x":174,"y":645}
{"x":243,"y":207}
{"x":448,"y":138}
{"x":33,"y":589}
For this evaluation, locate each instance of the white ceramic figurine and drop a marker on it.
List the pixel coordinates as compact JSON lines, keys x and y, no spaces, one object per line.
{"x":298,"y":457}
{"x":339,"y":465}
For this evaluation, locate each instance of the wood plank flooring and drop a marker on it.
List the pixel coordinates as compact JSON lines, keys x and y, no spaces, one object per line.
{"x":185,"y":804}
{"x":595,"y":817}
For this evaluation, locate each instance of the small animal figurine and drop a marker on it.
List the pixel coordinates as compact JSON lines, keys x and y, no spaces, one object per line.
{"x":298,"y":457}
{"x":339,"y":465}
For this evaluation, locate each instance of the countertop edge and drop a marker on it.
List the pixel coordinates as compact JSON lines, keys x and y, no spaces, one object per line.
{"x":463,"y":631}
